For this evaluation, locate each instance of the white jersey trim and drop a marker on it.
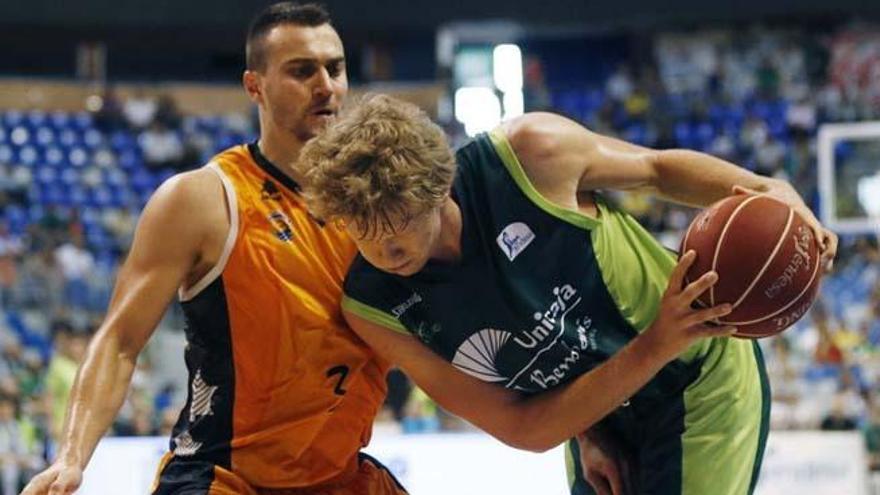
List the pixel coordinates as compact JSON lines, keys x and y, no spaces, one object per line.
{"x":188,"y":294}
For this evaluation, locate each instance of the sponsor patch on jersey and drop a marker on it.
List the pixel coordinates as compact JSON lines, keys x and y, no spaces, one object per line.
{"x":514,"y":239}
{"x":282,"y":226}
{"x":270,"y":191}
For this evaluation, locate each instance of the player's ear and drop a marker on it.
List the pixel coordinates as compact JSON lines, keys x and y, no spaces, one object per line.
{"x":251,"y":82}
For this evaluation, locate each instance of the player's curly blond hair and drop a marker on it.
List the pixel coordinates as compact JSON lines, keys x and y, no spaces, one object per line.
{"x":381,"y":164}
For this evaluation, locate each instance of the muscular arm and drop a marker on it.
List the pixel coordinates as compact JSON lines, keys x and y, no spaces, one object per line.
{"x":536,"y":423}
{"x":562,"y":157}
{"x":165,"y":250}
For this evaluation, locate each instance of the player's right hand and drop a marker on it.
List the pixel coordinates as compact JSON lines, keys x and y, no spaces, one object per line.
{"x":680,"y":322}
{"x":604,"y":465}
{"x":57,"y":479}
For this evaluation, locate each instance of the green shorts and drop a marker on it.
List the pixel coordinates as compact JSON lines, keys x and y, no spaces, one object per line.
{"x":708,"y":440}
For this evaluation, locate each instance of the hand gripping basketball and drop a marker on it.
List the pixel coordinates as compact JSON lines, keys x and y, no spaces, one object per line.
{"x":680,"y":322}
{"x":783,"y":191}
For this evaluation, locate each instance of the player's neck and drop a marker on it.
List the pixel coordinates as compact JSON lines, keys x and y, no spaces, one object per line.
{"x":281,"y":150}
{"x":448,"y":246}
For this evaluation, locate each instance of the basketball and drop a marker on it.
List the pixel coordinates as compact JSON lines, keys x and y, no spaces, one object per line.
{"x":766,"y":257}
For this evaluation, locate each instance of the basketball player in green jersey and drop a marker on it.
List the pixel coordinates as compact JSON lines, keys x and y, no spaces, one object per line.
{"x":504,"y":265}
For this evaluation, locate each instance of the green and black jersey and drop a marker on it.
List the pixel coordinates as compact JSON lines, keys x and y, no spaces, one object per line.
{"x":542,"y":294}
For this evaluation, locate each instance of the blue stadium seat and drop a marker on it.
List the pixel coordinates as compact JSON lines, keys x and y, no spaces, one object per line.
{"x":13,"y":118}
{"x":29,"y":155}
{"x":82,"y":120}
{"x":35,"y":118}
{"x":20,"y":135}
{"x":100,"y":197}
{"x":7,"y":153}
{"x":55,"y":194}
{"x":142,"y":181}
{"x":45,"y":176}
{"x":69,"y":176}
{"x":842,"y":151}
{"x":93,"y":138}
{"x":704,"y":134}
{"x":122,"y":140}
{"x":78,"y":156}
{"x":114,"y":177}
{"x":78,"y":196}
{"x":16,"y":218}
{"x":27,"y":336}
{"x":56,"y":157}
{"x":636,"y":132}
{"x":122,"y":197}
{"x":70,"y":137}
{"x":44,"y":135}
{"x":684,"y":135}
{"x":131,"y":159}
{"x":59,"y":120}
{"x":35,"y":211}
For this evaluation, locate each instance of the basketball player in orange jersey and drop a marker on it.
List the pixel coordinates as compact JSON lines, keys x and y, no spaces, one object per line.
{"x":282,"y":395}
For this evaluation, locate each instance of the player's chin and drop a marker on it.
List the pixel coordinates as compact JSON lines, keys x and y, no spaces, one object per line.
{"x":408,"y":269}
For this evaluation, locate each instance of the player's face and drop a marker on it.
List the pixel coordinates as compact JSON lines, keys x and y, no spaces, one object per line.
{"x":304,"y":80}
{"x":406,"y":250}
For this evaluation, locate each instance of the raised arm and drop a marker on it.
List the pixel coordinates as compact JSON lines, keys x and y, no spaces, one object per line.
{"x":166,"y":248}
{"x":542,"y":421}
{"x":561,"y":158}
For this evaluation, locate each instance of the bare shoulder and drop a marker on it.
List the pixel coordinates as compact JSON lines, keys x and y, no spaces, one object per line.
{"x":551,"y":150}
{"x":538,"y":134}
{"x":188,"y":208}
{"x":189,"y":195}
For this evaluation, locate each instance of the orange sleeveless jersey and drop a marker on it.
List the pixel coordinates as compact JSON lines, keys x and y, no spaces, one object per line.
{"x":282,"y":392}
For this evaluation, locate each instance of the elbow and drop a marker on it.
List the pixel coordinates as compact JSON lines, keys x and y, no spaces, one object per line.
{"x":532,"y":443}
{"x":527,"y":435}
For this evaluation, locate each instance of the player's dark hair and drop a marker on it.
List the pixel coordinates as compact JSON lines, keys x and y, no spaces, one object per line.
{"x":308,"y":15}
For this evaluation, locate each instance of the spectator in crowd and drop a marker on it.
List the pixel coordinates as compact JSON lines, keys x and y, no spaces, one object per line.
{"x":620,"y":85}
{"x":16,"y":459}
{"x":769,"y":156}
{"x":11,"y":248}
{"x":108,"y":114}
{"x":11,"y":363}
{"x":30,"y":377}
{"x":838,"y":418}
{"x":167,"y":113}
{"x":140,"y":110}
{"x":872,"y":436}
{"x":42,"y":283}
{"x":420,"y":413}
{"x":76,"y":262}
{"x":827,"y":351}
{"x":536,"y":95}
{"x":70,"y":347}
{"x":399,"y":389}
{"x":162,"y":147}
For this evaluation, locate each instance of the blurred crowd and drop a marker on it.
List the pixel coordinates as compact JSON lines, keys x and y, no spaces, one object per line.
{"x":755,"y":99}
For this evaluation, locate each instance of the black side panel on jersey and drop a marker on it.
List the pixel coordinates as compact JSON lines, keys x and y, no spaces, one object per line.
{"x":204,"y":429}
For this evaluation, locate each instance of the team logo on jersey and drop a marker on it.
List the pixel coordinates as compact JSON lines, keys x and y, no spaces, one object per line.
{"x":514,"y":239}
{"x":202,"y":398}
{"x":185,"y":446}
{"x":555,"y":346}
{"x":282,"y":224}
{"x":270,"y":191}
{"x":476,"y":356}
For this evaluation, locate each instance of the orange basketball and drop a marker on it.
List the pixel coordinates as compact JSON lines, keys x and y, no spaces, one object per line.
{"x":767,"y":259}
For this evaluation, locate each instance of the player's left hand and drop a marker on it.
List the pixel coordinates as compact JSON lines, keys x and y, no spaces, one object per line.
{"x":603,"y":465}
{"x":783,"y":191}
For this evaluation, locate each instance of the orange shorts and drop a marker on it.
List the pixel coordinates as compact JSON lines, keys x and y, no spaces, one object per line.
{"x":182,"y":477}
